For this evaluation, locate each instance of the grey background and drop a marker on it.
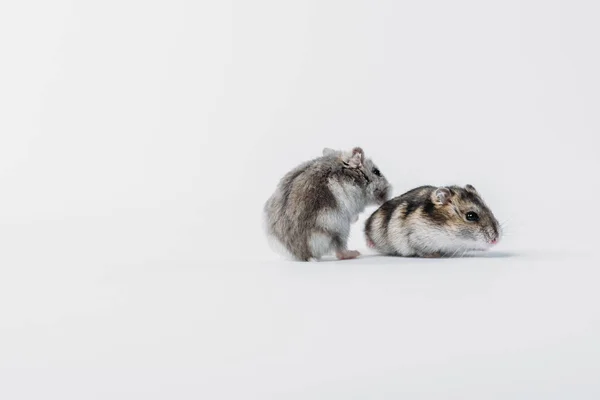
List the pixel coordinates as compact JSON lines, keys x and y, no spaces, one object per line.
{"x":139,"y":141}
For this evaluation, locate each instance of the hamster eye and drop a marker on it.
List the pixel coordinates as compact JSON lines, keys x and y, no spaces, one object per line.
{"x":376,"y":172}
{"x":471,"y":216}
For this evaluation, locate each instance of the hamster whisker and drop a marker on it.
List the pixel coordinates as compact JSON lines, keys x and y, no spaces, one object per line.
{"x":456,"y":252}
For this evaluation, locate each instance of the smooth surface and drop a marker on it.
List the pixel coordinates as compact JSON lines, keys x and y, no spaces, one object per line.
{"x":139,"y":141}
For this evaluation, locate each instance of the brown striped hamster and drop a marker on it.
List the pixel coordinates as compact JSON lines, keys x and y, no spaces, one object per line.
{"x":311,"y":211}
{"x":432,"y":222}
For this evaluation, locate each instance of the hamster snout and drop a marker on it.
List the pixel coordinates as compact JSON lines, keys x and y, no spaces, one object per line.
{"x":382,"y":195}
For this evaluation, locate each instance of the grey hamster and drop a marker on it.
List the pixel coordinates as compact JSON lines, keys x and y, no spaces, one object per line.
{"x":433,"y":221}
{"x":311,"y":211}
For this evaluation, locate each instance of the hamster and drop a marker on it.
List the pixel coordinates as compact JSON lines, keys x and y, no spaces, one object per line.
{"x":432,"y":222}
{"x":314,"y":205}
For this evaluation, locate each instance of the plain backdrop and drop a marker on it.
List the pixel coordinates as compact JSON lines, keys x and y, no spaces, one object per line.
{"x":140,"y":140}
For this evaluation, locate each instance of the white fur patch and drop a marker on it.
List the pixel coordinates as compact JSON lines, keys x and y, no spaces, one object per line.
{"x":319,"y":244}
{"x":333,"y":220}
{"x":351,"y":199}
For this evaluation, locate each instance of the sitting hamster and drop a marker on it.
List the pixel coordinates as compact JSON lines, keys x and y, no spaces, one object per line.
{"x":431,"y":222}
{"x":314,"y":205}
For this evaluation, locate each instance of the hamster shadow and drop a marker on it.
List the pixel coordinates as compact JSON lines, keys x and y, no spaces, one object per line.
{"x":488,"y":254}
{"x":491,"y":254}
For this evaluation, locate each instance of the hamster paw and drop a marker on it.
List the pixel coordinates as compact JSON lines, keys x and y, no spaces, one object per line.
{"x":370,"y":244}
{"x":347,"y":254}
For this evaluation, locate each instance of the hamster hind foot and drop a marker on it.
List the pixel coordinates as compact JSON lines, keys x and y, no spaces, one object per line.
{"x":346,"y":254}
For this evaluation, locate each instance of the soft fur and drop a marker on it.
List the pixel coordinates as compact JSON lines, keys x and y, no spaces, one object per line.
{"x":311,"y":211}
{"x":430,"y":222}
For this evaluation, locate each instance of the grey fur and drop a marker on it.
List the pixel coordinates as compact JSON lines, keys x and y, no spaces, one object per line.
{"x":314,"y":205}
{"x":430,"y":222}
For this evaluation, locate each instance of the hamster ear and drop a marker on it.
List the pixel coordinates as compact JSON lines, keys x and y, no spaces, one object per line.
{"x":357,"y":158}
{"x":441,"y":196}
{"x":327,"y":151}
{"x":471,"y":189}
